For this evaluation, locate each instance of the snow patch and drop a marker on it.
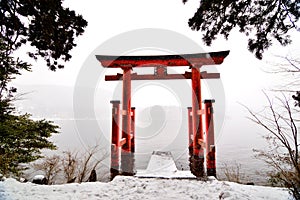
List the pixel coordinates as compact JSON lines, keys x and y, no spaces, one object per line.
{"x":38,"y":177}
{"x":162,"y":165}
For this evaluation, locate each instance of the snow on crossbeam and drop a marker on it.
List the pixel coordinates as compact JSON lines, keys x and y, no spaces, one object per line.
{"x":162,"y":165}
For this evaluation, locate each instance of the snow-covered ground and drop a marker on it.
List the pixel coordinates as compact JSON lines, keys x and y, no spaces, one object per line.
{"x":140,"y":188}
{"x":161,"y":164}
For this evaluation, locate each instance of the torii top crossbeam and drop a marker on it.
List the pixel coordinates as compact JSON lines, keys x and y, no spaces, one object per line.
{"x":211,"y":58}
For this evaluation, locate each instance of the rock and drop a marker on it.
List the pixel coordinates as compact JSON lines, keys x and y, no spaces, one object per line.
{"x":224,"y":195}
{"x":2,"y":178}
{"x":72,"y":180}
{"x":40,"y":179}
{"x":23,"y":180}
{"x":93,"y":176}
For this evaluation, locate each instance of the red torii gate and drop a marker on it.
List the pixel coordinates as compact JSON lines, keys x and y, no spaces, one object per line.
{"x":124,"y":143}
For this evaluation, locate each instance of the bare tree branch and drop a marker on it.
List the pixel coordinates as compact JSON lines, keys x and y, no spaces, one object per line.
{"x":283,"y":154}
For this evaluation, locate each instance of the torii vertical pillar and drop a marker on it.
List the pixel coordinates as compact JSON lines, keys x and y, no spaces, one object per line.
{"x":197,"y":159}
{"x":132,"y":129}
{"x":115,"y":139}
{"x":190,"y":131}
{"x":210,"y":139}
{"x":126,"y":154}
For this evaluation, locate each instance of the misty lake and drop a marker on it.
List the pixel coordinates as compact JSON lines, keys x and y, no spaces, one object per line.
{"x":157,"y":128}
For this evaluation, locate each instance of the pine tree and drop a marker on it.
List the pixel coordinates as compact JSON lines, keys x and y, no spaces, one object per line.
{"x":51,"y":29}
{"x":261,"y":21}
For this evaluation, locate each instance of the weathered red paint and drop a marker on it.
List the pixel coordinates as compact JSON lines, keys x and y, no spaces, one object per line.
{"x":126,"y":155}
{"x":126,"y":112}
{"x":162,"y":60}
{"x":160,"y":71}
{"x":115,"y":139}
{"x":133,"y":129}
{"x":115,"y":136}
{"x":196,"y":107}
{"x":190,"y":130}
{"x":210,"y":138}
{"x":198,"y":140}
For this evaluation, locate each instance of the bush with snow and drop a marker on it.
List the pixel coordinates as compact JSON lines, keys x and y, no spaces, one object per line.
{"x":40,"y":179}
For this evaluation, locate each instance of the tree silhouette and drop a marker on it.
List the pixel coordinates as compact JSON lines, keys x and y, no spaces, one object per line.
{"x":260,"y":20}
{"x":45,"y":25}
{"x":50,"y":29}
{"x":297,"y":98}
